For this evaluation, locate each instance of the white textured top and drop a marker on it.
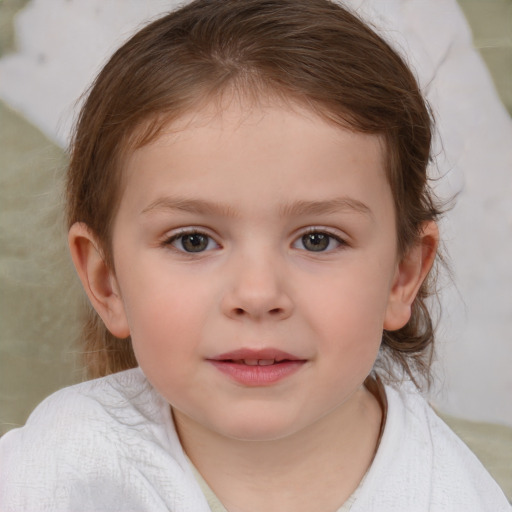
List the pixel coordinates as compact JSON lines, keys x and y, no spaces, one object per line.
{"x":110,"y":445}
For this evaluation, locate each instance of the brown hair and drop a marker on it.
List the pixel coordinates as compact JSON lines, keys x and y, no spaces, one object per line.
{"x":313,"y":52}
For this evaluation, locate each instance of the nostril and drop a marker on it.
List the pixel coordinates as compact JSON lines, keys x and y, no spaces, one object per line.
{"x":272,"y":312}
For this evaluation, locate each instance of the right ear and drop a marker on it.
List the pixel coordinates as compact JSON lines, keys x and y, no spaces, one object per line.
{"x":98,"y":279}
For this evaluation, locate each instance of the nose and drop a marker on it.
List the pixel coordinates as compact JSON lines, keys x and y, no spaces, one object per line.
{"x":258,"y":289}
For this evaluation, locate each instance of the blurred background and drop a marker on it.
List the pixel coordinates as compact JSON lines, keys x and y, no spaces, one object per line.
{"x":50,"y":51}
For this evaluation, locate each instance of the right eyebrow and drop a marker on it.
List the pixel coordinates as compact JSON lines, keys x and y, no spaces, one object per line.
{"x":184,"y":204}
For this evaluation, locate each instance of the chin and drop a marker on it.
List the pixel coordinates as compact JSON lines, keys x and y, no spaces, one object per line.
{"x":261,"y":428}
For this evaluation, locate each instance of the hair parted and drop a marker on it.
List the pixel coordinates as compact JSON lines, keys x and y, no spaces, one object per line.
{"x":311,"y":52}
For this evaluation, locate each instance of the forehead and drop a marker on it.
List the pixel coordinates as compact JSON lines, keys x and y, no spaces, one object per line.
{"x":237,"y":104}
{"x":259,"y":159}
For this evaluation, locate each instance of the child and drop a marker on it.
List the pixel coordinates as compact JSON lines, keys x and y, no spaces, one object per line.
{"x":250,"y":218}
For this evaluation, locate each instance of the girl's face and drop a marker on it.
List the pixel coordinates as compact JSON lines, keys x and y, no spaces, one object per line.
{"x":256,"y":267}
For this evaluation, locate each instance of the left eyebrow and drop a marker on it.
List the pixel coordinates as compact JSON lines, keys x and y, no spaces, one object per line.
{"x":336,"y":205}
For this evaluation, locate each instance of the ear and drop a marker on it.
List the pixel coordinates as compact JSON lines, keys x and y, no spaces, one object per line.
{"x":98,"y":279}
{"x":410,"y":274}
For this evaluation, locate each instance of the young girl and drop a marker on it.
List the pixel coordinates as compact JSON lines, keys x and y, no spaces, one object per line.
{"x":250,"y":218}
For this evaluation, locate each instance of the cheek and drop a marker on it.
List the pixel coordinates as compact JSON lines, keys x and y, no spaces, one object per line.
{"x":347,"y":311}
{"x":157,"y":298}
{"x":157,"y":314}
{"x":165,"y":337}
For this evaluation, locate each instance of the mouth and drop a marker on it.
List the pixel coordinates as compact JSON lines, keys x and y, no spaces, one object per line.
{"x":256,"y":362}
{"x":262,"y":357}
{"x":257,"y":367}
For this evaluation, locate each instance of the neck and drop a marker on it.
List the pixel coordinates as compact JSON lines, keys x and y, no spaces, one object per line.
{"x":326,"y":460}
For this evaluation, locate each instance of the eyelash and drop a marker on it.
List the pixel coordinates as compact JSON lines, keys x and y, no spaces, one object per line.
{"x":181,"y":235}
{"x":324,"y":232}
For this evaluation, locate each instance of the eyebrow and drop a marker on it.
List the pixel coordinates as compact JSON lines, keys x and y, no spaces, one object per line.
{"x":296,"y":209}
{"x":339,"y":204}
{"x":198,"y":206}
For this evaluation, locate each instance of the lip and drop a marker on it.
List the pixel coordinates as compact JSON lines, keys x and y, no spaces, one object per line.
{"x":262,"y":354}
{"x":261,"y":371}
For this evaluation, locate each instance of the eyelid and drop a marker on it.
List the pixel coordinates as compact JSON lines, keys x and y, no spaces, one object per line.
{"x":176,"y":234}
{"x":333,"y":233}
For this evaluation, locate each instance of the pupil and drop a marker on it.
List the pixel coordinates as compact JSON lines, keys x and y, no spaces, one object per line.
{"x":195,"y":243}
{"x":315,"y":241}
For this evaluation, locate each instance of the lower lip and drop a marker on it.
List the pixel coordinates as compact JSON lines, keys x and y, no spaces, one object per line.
{"x":258,"y":375}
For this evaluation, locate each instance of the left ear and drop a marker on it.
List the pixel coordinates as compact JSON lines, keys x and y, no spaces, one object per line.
{"x":410,"y":274}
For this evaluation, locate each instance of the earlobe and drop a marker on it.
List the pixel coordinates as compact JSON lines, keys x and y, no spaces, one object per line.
{"x":410,"y":274}
{"x":98,"y":279}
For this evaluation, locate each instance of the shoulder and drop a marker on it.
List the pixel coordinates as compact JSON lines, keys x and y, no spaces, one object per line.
{"x":105,"y":401}
{"x":73,"y":425}
{"x":421,"y":465}
{"x":104,"y":441}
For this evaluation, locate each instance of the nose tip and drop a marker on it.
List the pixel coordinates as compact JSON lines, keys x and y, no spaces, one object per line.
{"x":258,"y":292}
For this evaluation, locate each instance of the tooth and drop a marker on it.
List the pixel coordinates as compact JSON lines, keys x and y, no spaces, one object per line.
{"x":251,"y":362}
{"x":265,"y":362}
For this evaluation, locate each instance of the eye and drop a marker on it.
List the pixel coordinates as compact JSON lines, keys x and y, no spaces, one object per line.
{"x":192,"y":241}
{"x":318,"y":241}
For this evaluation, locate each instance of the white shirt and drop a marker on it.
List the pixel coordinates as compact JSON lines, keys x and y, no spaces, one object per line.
{"x":110,"y":445}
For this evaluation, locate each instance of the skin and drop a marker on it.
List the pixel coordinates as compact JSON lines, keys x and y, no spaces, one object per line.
{"x":254,"y":180}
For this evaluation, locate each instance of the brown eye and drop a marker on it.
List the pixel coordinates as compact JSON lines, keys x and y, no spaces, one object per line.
{"x":192,"y":242}
{"x":316,"y":241}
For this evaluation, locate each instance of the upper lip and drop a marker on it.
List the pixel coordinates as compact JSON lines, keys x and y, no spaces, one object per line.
{"x":260,"y":354}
